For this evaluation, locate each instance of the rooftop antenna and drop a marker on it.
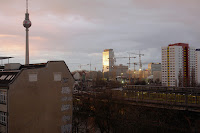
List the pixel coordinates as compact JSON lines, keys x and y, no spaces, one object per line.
{"x":27,"y":25}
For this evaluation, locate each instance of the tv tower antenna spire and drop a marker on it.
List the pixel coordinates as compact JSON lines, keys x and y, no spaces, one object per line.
{"x":27,"y":25}
{"x":26,"y":6}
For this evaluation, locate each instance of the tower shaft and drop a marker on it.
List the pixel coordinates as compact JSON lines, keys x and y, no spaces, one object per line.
{"x":27,"y":48}
{"x":27,"y":25}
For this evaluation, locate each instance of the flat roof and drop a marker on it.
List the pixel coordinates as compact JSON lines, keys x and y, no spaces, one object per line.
{"x":2,"y":58}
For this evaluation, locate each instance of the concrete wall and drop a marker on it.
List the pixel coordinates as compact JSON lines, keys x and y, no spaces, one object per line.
{"x":157,"y":75}
{"x":42,"y":106}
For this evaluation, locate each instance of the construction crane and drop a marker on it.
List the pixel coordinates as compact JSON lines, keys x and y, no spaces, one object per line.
{"x":129,"y":57}
{"x":140,"y":59}
{"x":140,"y":63}
{"x":84,"y":65}
{"x":133,"y":69}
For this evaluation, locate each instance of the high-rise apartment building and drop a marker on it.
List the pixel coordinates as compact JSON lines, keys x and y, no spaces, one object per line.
{"x":197,"y":70}
{"x":108,"y":60}
{"x":36,"y":98}
{"x":178,"y":65}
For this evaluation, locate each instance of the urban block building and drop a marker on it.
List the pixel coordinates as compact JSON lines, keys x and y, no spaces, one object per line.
{"x":178,"y":65}
{"x":36,"y":98}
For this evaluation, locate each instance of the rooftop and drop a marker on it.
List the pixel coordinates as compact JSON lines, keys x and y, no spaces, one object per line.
{"x":7,"y":77}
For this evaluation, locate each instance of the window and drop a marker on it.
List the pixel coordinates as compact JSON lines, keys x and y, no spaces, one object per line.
{"x":3,"y":96}
{"x":3,"y":118}
{"x":57,"y":76}
{"x":10,"y":77}
{"x":32,"y":77}
{"x":3,"y":77}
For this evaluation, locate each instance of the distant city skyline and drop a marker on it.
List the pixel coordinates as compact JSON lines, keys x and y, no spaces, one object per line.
{"x":79,"y":31}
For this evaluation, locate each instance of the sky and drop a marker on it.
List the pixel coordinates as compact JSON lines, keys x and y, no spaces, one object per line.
{"x":77,"y":31}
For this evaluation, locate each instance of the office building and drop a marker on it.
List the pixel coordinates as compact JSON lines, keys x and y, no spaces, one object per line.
{"x":36,"y":98}
{"x":108,"y":60}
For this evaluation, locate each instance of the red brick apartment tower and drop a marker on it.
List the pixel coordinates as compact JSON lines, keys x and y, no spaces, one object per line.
{"x":186,"y":64}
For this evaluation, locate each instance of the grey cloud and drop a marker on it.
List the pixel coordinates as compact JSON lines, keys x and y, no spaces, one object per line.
{"x":78,"y":31}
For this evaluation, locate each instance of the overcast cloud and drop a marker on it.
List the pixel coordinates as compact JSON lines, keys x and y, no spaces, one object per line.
{"x":78,"y":31}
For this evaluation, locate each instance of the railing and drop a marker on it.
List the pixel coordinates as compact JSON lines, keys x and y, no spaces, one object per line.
{"x":179,"y":97}
{"x":169,"y":97}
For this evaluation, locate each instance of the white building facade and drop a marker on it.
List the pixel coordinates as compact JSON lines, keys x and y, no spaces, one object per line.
{"x":197,"y":55}
{"x":178,"y":65}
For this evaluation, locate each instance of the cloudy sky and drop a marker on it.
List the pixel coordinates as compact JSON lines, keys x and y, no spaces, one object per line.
{"x":78,"y":31}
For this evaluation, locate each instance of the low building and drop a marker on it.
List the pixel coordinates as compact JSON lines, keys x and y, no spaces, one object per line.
{"x":154,"y":67}
{"x":36,"y":98}
{"x":121,"y":70}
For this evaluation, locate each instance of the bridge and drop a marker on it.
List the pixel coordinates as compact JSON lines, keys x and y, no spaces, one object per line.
{"x":177,"y":98}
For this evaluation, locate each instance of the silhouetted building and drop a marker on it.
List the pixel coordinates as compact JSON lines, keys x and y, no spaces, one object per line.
{"x":36,"y":98}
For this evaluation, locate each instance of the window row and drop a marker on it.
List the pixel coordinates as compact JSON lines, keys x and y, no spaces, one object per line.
{"x":3,"y":118}
{"x":34,"y":76}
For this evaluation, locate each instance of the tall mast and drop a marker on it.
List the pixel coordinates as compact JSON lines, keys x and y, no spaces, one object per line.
{"x":27,"y":25}
{"x":26,"y":6}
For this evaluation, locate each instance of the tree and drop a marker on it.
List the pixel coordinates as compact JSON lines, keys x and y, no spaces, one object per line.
{"x":157,"y":81}
{"x":180,"y":78}
{"x":193,"y":79}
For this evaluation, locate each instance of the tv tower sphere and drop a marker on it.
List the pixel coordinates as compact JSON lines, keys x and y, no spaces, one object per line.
{"x":27,"y":22}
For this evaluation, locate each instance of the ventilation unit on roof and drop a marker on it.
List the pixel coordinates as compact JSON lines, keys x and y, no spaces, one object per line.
{"x":12,"y":66}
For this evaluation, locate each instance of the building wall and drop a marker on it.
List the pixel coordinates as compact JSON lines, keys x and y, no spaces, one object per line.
{"x":108,"y":60}
{"x":197,"y":70}
{"x":164,"y":66}
{"x":192,"y":65}
{"x":121,"y":70}
{"x":172,"y":65}
{"x":3,"y":109}
{"x":157,"y":75}
{"x":42,"y":106}
{"x":154,"y":67}
{"x":178,"y":60}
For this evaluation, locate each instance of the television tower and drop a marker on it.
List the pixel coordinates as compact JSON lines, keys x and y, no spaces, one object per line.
{"x":27,"y":24}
